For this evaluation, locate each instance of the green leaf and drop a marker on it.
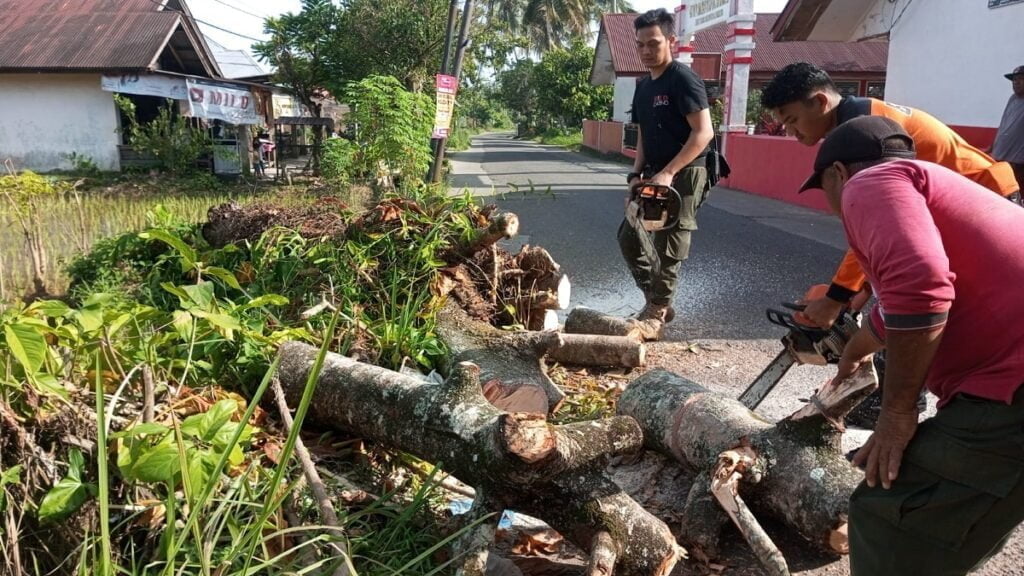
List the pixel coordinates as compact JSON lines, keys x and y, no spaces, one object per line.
{"x":10,"y":476}
{"x":264,"y":300}
{"x":227,"y":324}
{"x":186,"y":252}
{"x":223,"y":436}
{"x":205,"y":426}
{"x":224,"y":275}
{"x":186,"y":300}
{"x":201,"y":294}
{"x":27,"y":345}
{"x":146,"y":461}
{"x":90,"y":318}
{"x":50,"y":308}
{"x":182,"y":322}
{"x":68,"y":495}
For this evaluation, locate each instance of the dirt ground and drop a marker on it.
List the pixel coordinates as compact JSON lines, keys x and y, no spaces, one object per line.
{"x":727,"y":366}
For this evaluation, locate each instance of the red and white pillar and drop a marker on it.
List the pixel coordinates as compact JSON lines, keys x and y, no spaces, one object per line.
{"x":738,"y":57}
{"x":684,"y":37}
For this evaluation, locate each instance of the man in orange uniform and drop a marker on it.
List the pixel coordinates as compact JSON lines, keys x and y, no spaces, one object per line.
{"x":807,"y":102}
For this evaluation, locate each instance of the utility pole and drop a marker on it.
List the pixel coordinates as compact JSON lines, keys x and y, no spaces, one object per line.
{"x":456,"y":70}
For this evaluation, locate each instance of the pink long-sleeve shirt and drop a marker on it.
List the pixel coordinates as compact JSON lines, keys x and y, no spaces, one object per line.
{"x":940,"y":250}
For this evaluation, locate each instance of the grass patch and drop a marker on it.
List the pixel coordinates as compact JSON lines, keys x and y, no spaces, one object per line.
{"x":571,"y":140}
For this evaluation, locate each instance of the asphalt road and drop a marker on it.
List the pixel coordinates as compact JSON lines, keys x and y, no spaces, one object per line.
{"x":750,"y":252}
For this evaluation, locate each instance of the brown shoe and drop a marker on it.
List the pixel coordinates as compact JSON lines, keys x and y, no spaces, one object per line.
{"x":649,"y":329}
{"x":660,"y":312}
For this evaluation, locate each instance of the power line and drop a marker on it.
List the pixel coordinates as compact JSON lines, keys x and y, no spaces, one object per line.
{"x":214,"y":26}
{"x":233,"y":33}
{"x":233,"y":7}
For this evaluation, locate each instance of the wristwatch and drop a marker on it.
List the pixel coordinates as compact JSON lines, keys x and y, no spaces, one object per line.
{"x":631,"y":175}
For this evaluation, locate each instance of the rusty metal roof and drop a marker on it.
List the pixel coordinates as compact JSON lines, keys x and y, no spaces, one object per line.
{"x":97,"y":35}
{"x":769,"y":55}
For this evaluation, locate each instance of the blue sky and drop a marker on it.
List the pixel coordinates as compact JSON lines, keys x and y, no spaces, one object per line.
{"x":245,"y":17}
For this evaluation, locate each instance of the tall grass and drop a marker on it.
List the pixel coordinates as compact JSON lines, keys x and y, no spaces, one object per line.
{"x":72,"y":222}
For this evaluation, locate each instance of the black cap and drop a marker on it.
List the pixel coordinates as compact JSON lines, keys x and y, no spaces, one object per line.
{"x":859,"y":140}
{"x":1018,"y":71}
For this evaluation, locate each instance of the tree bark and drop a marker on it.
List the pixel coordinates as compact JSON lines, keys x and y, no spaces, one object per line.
{"x":587,"y":321}
{"x":797,"y":471}
{"x":509,"y":360}
{"x":514,"y":461}
{"x":503,"y":225}
{"x":591,"y":350}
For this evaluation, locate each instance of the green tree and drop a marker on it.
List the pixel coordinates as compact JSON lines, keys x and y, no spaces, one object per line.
{"x":565,"y":96}
{"x":302,"y":47}
{"x":518,"y":93}
{"x":400,"y":38}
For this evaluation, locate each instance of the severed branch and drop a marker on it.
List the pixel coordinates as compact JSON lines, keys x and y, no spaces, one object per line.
{"x":588,"y":321}
{"x":732,"y":464}
{"x":603,"y":554}
{"x":503,"y":225}
{"x":316,"y":485}
{"x":593,"y":350}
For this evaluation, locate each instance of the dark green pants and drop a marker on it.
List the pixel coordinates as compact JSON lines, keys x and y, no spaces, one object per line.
{"x":672,"y":246}
{"x":959,"y":495}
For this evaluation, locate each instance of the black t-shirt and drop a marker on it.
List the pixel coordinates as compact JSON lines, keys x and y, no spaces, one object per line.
{"x":660,"y":107}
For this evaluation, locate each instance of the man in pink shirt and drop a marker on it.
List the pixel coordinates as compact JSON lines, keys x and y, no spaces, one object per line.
{"x":944,"y":258}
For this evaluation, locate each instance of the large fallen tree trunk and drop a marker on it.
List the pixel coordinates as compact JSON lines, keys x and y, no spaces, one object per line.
{"x":513,"y":461}
{"x":794,"y":468}
{"x":511,"y":363}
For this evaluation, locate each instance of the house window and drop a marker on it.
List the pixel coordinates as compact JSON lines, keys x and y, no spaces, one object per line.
{"x":876,"y":90}
{"x":848,"y":88}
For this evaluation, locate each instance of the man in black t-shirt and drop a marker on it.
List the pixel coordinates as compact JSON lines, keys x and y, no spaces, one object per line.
{"x":671,"y":108}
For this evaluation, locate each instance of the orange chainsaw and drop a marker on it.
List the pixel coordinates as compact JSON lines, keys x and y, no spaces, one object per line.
{"x":804,"y":343}
{"x":652,"y":208}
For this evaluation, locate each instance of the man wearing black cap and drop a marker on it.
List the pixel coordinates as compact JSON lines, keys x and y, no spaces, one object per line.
{"x":943,"y":257}
{"x":1009,"y":144}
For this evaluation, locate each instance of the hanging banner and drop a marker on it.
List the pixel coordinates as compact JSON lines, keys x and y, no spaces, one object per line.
{"x":215,"y":102}
{"x":446,"y":88}
{"x":145,"y":85}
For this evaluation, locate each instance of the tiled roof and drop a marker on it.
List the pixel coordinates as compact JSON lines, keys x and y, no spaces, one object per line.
{"x":769,"y":56}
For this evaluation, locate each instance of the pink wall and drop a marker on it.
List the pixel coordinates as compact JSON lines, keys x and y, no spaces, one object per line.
{"x":772,"y":166}
{"x":605,"y":137}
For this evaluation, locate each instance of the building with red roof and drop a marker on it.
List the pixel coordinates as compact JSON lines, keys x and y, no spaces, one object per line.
{"x":858,"y":68}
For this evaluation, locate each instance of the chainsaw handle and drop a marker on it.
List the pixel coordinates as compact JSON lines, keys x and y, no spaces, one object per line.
{"x":658,"y":192}
{"x":786,"y":320}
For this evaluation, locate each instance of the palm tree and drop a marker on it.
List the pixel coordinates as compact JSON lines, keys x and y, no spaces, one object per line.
{"x":551,"y":24}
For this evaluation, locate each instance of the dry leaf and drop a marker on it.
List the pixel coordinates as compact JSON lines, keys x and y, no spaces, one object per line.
{"x":537,"y":543}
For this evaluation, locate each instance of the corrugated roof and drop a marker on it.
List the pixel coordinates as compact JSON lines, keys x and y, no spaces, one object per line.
{"x":769,"y":55}
{"x":76,"y":40}
{"x":99,"y":35}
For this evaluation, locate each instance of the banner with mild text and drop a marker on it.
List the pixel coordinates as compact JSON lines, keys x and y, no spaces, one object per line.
{"x":216,"y":102}
{"x":447,"y":86}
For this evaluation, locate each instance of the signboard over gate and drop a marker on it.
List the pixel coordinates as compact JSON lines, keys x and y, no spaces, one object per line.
{"x":216,"y":102}
{"x":705,"y":14}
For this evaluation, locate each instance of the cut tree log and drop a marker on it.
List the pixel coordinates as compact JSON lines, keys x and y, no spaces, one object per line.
{"x":797,"y":471}
{"x":502,"y":225}
{"x":510,"y":362}
{"x":542,"y":320}
{"x":514,"y":461}
{"x":588,"y":321}
{"x":593,"y":350}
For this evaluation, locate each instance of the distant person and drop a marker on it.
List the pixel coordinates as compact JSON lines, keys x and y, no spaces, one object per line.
{"x":1009,"y":144}
{"x":805,"y":99}
{"x":941,"y":496}
{"x":670,"y":106}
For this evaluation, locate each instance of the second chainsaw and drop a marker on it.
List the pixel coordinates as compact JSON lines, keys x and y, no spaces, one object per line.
{"x":803,"y":344}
